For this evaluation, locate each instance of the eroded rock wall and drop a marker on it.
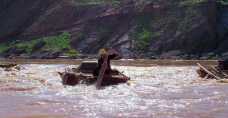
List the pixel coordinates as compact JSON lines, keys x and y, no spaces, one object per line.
{"x":135,"y":29}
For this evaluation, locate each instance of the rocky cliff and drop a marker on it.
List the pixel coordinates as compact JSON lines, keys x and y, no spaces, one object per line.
{"x":135,"y":28}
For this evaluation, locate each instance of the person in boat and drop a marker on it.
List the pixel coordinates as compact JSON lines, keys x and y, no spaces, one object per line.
{"x":108,"y":71}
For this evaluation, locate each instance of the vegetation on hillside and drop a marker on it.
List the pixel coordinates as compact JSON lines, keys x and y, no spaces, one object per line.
{"x":85,"y":2}
{"x":38,"y":16}
{"x":53,"y":41}
{"x":194,"y":1}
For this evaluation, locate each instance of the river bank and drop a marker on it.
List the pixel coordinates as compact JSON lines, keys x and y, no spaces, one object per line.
{"x":65,"y":53}
{"x":144,"y":57}
{"x":121,"y":62}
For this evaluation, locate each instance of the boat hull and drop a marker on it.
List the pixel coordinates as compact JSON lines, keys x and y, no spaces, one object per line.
{"x":75,"y":77}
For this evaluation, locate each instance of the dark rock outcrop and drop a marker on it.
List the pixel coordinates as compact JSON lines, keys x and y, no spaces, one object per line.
{"x":223,"y":47}
{"x":225,"y":55}
{"x":45,"y":51}
{"x":32,"y":57}
{"x":153,"y":57}
{"x":65,"y":49}
{"x":44,"y":56}
{"x":54,"y":55}
{"x":222,"y":30}
{"x":38,"y":45}
{"x":21,"y":51}
{"x":94,"y":56}
{"x":82,"y":57}
{"x":9,"y":51}
{"x":221,"y":34}
{"x":172,"y":53}
{"x":204,"y":58}
{"x":72,"y":57}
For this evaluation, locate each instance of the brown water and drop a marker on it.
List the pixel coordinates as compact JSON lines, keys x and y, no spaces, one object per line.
{"x":156,"y":89}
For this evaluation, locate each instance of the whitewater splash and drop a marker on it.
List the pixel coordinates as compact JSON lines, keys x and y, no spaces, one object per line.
{"x":155,"y":91}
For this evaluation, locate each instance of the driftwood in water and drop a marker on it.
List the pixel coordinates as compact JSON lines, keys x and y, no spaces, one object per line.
{"x":218,"y":71}
{"x":207,"y":71}
{"x":8,"y":65}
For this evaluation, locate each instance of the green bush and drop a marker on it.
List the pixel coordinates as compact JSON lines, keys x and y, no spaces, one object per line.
{"x":210,"y":54}
{"x":73,"y":51}
{"x":54,"y":42}
{"x":67,"y":54}
{"x":223,"y":1}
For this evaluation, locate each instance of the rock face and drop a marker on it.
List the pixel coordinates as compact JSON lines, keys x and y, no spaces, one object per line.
{"x":72,"y":57}
{"x":32,"y":57}
{"x":222,"y":30}
{"x":9,"y":51}
{"x":65,"y":49}
{"x":47,"y":54}
{"x":224,"y":55}
{"x":20,"y":51}
{"x":155,"y":31}
{"x":38,"y":45}
{"x":45,"y":51}
{"x":151,"y":29}
{"x":44,"y":56}
{"x":221,"y":34}
{"x":54,"y":54}
{"x":172,"y":53}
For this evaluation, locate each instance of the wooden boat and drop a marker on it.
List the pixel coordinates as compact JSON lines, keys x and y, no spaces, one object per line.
{"x":210,"y":71}
{"x":84,"y":75}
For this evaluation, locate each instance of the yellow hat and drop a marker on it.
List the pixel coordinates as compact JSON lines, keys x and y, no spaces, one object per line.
{"x":102,"y":51}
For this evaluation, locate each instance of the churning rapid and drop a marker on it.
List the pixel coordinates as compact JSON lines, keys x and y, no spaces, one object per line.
{"x":156,"y":89}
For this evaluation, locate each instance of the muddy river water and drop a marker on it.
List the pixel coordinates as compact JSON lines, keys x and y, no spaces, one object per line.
{"x":156,"y":89}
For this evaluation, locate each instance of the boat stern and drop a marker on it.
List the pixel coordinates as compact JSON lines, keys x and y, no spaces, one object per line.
{"x":68,"y":78}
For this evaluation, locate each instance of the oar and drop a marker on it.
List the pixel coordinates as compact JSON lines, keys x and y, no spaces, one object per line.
{"x":101,"y":74}
{"x":218,"y":71}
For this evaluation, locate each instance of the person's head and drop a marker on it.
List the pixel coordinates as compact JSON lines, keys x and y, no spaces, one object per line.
{"x":102,"y":53}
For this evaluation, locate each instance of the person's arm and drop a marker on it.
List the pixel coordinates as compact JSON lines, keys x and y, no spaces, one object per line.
{"x":114,"y":52}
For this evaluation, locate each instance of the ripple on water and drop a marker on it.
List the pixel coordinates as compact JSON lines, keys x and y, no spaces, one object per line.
{"x":44,"y":115}
{"x":34,"y":103}
{"x":18,"y":88}
{"x":152,"y":91}
{"x":52,"y":101}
